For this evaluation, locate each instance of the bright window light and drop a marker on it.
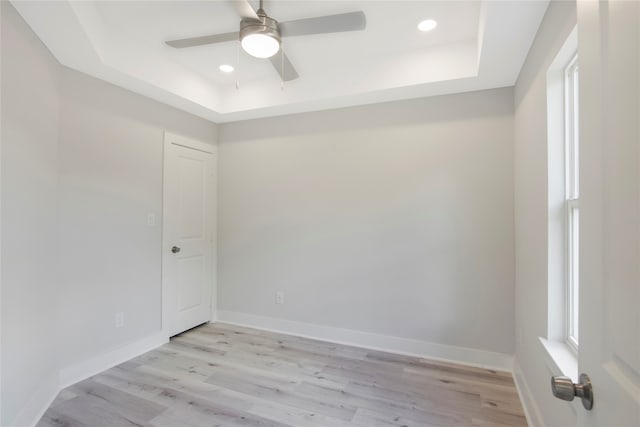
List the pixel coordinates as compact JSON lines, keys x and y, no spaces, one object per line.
{"x":572,"y":200}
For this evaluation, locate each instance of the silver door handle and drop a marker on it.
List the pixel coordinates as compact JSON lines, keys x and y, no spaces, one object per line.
{"x":175,"y":249}
{"x":563,"y":388}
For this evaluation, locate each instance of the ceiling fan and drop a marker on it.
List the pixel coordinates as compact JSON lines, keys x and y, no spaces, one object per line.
{"x":260,"y":35}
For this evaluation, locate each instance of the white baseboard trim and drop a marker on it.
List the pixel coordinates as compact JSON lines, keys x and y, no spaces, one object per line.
{"x":531,"y":409}
{"x":405,"y":346}
{"x":40,"y":400}
{"x":83,"y":370}
{"x":49,"y":389}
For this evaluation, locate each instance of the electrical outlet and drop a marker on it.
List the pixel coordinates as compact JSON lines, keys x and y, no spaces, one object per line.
{"x":151,"y":220}
{"x":119,"y":319}
{"x":279,"y":297}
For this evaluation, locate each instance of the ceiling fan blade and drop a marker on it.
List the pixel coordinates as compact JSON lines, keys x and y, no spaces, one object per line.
{"x":244,"y":9}
{"x":199,"y":41}
{"x":353,"y":21}
{"x":289,"y":72}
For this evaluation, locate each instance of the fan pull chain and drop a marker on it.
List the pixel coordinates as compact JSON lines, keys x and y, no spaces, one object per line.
{"x":282,"y":67}
{"x":238,"y":66}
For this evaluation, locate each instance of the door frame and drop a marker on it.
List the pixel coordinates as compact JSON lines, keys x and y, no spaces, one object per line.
{"x":172,"y":138}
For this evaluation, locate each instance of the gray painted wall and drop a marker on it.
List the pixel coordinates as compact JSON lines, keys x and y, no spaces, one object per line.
{"x":110,"y":154}
{"x":81,"y":169}
{"x":531,"y":210}
{"x":30,"y":119}
{"x":392,"y":218}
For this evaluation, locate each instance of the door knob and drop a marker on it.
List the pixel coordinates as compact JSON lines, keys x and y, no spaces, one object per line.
{"x":563,"y":388}
{"x":175,"y":249}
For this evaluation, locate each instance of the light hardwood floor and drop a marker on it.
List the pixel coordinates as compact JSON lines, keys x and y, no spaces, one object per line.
{"x":222,"y":375}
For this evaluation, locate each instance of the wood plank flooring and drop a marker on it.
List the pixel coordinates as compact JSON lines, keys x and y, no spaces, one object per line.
{"x":222,"y":375}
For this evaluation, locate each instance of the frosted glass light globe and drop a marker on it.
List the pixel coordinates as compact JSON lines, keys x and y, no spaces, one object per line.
{"x":260,"y":45}
{"x":427,"y":25}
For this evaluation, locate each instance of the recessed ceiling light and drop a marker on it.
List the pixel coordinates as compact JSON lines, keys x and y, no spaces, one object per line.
{"x":225,"y":68}
{"x":427,"y":25}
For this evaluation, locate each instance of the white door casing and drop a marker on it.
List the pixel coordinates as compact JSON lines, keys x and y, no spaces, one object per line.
{"x":189,"y":219}
{"x":608,"y":50}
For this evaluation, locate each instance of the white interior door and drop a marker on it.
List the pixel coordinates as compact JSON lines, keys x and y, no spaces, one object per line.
{"x":608,"y":48}
{"x":188,"y":234}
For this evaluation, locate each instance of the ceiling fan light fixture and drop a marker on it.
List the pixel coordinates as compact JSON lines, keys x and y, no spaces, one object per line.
{"x":260,"y":45}
{"x":260,"y":38}
{"x":427,"y":25}
{"x":260,"y":35}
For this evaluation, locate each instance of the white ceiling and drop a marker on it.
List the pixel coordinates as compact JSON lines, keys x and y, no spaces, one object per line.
{"x":476,"y":45}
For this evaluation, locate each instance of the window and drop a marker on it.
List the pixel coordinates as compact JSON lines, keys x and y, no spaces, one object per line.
{"x":563,"y":191}
{"x":572,"y":200}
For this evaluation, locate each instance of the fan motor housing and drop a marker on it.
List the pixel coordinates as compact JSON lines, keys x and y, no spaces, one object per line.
{"x":265,"y":25}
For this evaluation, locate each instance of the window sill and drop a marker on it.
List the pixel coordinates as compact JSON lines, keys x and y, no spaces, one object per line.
{"x":560,"y":358}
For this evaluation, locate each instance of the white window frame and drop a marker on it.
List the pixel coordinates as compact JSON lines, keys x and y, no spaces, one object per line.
{"x":572,"y":202}
{"x":560,"y":353}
